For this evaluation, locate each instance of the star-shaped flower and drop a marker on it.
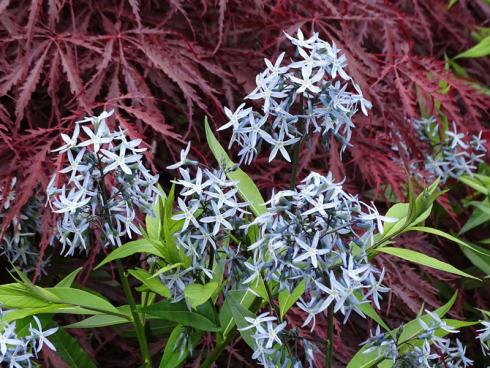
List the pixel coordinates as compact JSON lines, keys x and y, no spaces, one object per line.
{"x":69,"y":142}
{"x":311,"y":251}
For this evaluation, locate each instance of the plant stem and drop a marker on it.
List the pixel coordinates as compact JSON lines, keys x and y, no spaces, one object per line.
{"x":329,"y":353}
{"x":214,"y":355}
{"x":271,"y":300}
{"x":138,"y":326}
{"x":294,"y":173}
{"x":296,"y":149}
{"x":218,"y":349}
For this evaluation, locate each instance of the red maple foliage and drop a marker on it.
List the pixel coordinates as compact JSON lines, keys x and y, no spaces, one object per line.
{"x":163,"y":65}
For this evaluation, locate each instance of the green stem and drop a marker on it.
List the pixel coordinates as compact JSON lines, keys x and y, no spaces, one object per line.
{"x":329,"y":353}
{"x":296,"y":149}
{"x":214,"y":355}
{"x":294,"y":173}
{"x":138,"y":326}
{"x":271,"y":300}
{"x":218,"y":349}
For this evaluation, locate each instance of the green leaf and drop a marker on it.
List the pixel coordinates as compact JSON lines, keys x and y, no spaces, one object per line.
{"x":128,"y":249}
{"x":413,"y":328}
{"x":16,"y":314}
{"x":409,"y":330}
{"x":474,"y":183}
{"x":451,"y":4}
{"x":287,"y":298}
{"x":456,"y":323}
{"x":167,"y":268}
{"x":153,"y":284}
{"x":422,"y":259}
{"x":483,"y":206}
{"x":68,"y":349}
{"x":480,"y":259}
{"x":244,"y":298}
{"x":154,"y":220}
{"x":369,"y":311}
{"x":69,"y":279}
{"x":197,"y":294}
{"x":412,"y":213}
{"x":82,"y":298}
{"x":442,"y":234}
{"x":172,"y":356}
{"x":481,"y":49}
{"x":399,"y":211}
{"x":172,"y":253}
{"x":99,"y":320}
{"x":178,"y":312}
{"x":246,"y":187}
{"x":477,"y":218}
{"x":17,"y":295}
{"x":259,"y":289}
{"x":239,"y":313}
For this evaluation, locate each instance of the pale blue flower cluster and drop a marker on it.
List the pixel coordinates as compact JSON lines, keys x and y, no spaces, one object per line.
{"x":317,"y":234}
{"x":457,"y":154}
{"x":427,"y":349}
{"x":310,"y":94}
{"x":103,"y":185}
{"x":18,"y":243}
{"x":484,"y":337}
{"x":18,"y":352}
{"x":268,"y":337}
{"x":209,"y":208}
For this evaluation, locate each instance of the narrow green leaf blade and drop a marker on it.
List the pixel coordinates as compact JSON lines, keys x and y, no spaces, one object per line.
{"x":69,"y":279}
{"x":99,"y":320}
{"x":197,"y":294}
{"x":480,"y":259}
{"x":128,"y":249}
{"x":422,"y":259}
{"x":481,"y":49}
{"x":178,"y":312}
{"x":172,"y":356}
{"x":68,"y":349}
{"x":442,"y":234}
{"x":246,"y":187}
{"x":287,"y":299}
{"x":150,"y":282}
{"x":83,"y":298}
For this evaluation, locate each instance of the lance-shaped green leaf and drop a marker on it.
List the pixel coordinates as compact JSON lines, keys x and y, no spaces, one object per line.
{"x":425,"y":260}
{"x":443,"y":234}
{"x":475,"y":183}
{"x":68,"y":349}
{"x":246,"y":187}
{"x":69,"y":279}
{"x":82,"y":298}
{"x":369,"y":311}
{"x":197,"y":294}
{"x":239,"y":313}
{"x":287,"y":298}
{"x":243,"y":297}
{"x":102,"y":320}
{"x":180,"y":313}
{"x":154,"y":220}
{"x":408,"y":331}
{"x":480,"y":259}
{"x":172,"y":355}
{"x":130,"y":248}
{"x":153,"y":284}
{"x":481,"y":49}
